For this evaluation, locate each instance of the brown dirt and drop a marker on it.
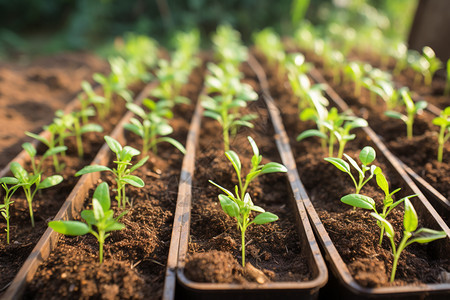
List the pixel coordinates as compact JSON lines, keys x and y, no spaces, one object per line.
{"x":135,"y":257}
{"x":274,"y":248}
{"x":355,"y":233}
{"x":29,"y":95}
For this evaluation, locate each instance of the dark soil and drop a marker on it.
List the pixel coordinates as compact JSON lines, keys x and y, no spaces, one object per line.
{"x":214,"y":248}
{"x":354,"y":232}
{"x":135,"y":257}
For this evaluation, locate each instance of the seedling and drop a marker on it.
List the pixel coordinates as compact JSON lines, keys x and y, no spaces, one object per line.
{"x":27,"y":181}
{"x":122,"y":173}
{"x":9,"y":191}
{"x":94,"y":99}
{"x":354,"y":71}
{"x":366,"y":156}
{"x":433,"y":62}
{"x":366,"y":202}
{"x":154,"y":127}
{"x":443,"y":121}
{"x":387,"y":92}
{"x":240,"y":204}
{"x":101,"y":216}
{"x":113,"y":84}
{"x":228,"y":46}
{"x":37,"y":167}
{"x":411,"y":110}
{"x":410,"y":234}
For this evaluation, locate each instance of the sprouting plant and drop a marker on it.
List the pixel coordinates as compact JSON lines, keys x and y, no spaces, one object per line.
{"x":411,"y":110}
{"x":27,"y":181}
{"x":366,"y":156}
{"x":443,"y":121}
{"x":385,"y":89}
{"x":240,"y":205}
{"x":447,"y":82}
{"x":122,"y":174}
{"x":154,"y":127}
{"x":339,"y":127}
{"x":365,"y":202}
{"x":92,"y":98}
{"x":9,"y":191}
{"x":231,"y":96}
{"x":433,"y":62}
{"x":354,"y":71}
{"x":101,"y":216}
{"x":410,"y":234}
{"x":37,"y":166}
{"x":399,"y":52}
{"x":228,"y":45}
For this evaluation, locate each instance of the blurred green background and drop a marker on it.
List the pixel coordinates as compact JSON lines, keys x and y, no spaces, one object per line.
{"x":35,"y":27}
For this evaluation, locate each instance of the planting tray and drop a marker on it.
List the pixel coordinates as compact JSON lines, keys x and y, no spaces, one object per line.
{"x":68,"y":210}
{"x":188,"y":289}
{"x":342,"y":284}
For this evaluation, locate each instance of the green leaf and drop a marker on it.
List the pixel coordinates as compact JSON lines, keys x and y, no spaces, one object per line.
{"x":19,"y":172}
{"x":357,"y":200}
{"x":37,"y":137}
{"x":50,"y":181}
{"x":254,"y":146}
{"x":354,"y":164}
{"x":9,"y":180}
{"x":139,"y":164}
{"x":134,"y":129}
{"x":367,"y":155}
{"x":299,"y":8}
{"x":92,"y":169}
{"x":174,"y":143}
{"x":54,"y":151}
{"x":273,"y":167}
{"x":99,"y":214}
{"x":213,"y":115}
{"x":425,"y":235}
{"x":91,"y":128}
{"x":264,"y":218}
{"x":69,"y":227}
{"x":88,"y":215}
{"x":257,"y":208}
{"x":341,"y":164}
{"x":410,"y":220}
{"x":387,"y":226}
{"x":395,"y":115}
{"x":113,"y":144}
{"x":222,"y":188}
{"x":382,"y":182}
{"x":234,"y":159}
{"x":164,"y":129}
{"x":137,"y":110}
{"x":134,"y":181}
{"x":229,"y":206}
{"x":311,"y":132}
{"x":101,"y":193}
{"x":30,"y":149}
{"x":114,"y":226}
{"x":421,"y":105}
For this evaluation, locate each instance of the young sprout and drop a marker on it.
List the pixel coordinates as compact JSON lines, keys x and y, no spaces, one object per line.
{"x":410,"y":234}
{"x":27,"y":181}
{"x":9,"y":191}
{"x":385,"y":89}
{"x":240,"y":205}
{"x":354,"y":71}
{"x":443,"y":121}
{"x":433,"y":62}
{"x":92,"y":98}
{"x":447,"y":82}
{"x":366,"y":156}
{"x":101,"y":216}
{"x":154,"y":127}
{"x":37,"y":166}
{"x":365,"y":202}
{"x":122,"y":174}
{"x":411,"y":110}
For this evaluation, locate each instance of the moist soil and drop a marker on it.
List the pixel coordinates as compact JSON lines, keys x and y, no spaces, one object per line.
{"x":47,"y":202}
{"x":354,"y":232}
{"x":214,"y":250}
{"x":30,"y":94}
{"x":135,"y":257}
{"x":420,"y":152}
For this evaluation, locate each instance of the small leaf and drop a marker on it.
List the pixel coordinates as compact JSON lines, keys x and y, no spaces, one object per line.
{"x":114,"y":226}
{"x":264,"y":218}
{"x":257,"y":208}
{"x":223,"y":189}
{"x":339,"y":163}
{"x":91,"y":128}
{"x":30,"y":149}
{"x":37,"y":137}
{"x":92,"y":169}
{"x":101,"y":193}
{"x":425,"y":235}
{"x":421,"y":105}
{"x":174,"y":143}
{"x":357,"y":200}
{"x":113,"y":144}
{"x":137,"y":110}
{"x":54,"y":151}
{"x":234,"y":159}
{"x":229,"y":206}
{"x":387,"y":226}
{"x":69,"y":227}
{"x":9,"y":180}
{"x":134,"y":181}
{"x":382,"y":182}
{"x":88,"y":216}
{"x":354,"y":164}
{"x":139,"y":164}
{"x":50,"y":181}
{"x":395,"y":115}
{"x":254,"y":146}
{"x":19,"y":172}
{"x":367,"y":155}
{"x":273,"y":167}
{"x":99,"y":214}
{"x":310,"y":133}
{"x":410,"y":220}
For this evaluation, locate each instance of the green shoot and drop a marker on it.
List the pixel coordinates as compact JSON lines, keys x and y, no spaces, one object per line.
{"x":9,"y":191}
{"x":240,"y":205}
{"x":37,"y":166}
{"x":433,"y":62}
{"x":154,"y":127}
{"x":443,"y":121}
{"x":410,"y":234}
{"x":101,"y":216}
{"x":354,"y":71}
{"x":411,"y":110}
{"x":92,"y":98}
{"x":366,"y":156}
{"x":27,"y":181}
{"x":122,"y":173}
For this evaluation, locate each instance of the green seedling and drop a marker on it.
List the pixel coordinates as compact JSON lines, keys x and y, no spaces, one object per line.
{"x":9,"y":191}
{"x":154,"y":127}
{"x":228,"y":46}
{"x":365,"y":202}
{"x":122,"y":174}
{"x":443,"y":121}
{"x":27,"y":181}
{"x":412,"y":109}
{"x":92,"y":98}
{"x":366,"y":156}
{"x":240,"y":205}
{"x":37,"y":166}
{"x":113,"y":84}
{"x":410,"y":234}
{"x":433,"y":62}
{"x":101,"y":216}
{"x":355,"y":72}
{"x":447,"y":82}
{"x":385,"y":89}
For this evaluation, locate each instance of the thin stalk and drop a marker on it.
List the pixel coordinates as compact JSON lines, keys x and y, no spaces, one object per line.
{"x":28,"y":195}
{"x":441,"y":141}
{"x":406,"y":236}
{"x":101,"y":240}
{"x":243,"y":246}
{"x":78,"y":138}
{"x":341,"y":148}
{"x":409,"y":128}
